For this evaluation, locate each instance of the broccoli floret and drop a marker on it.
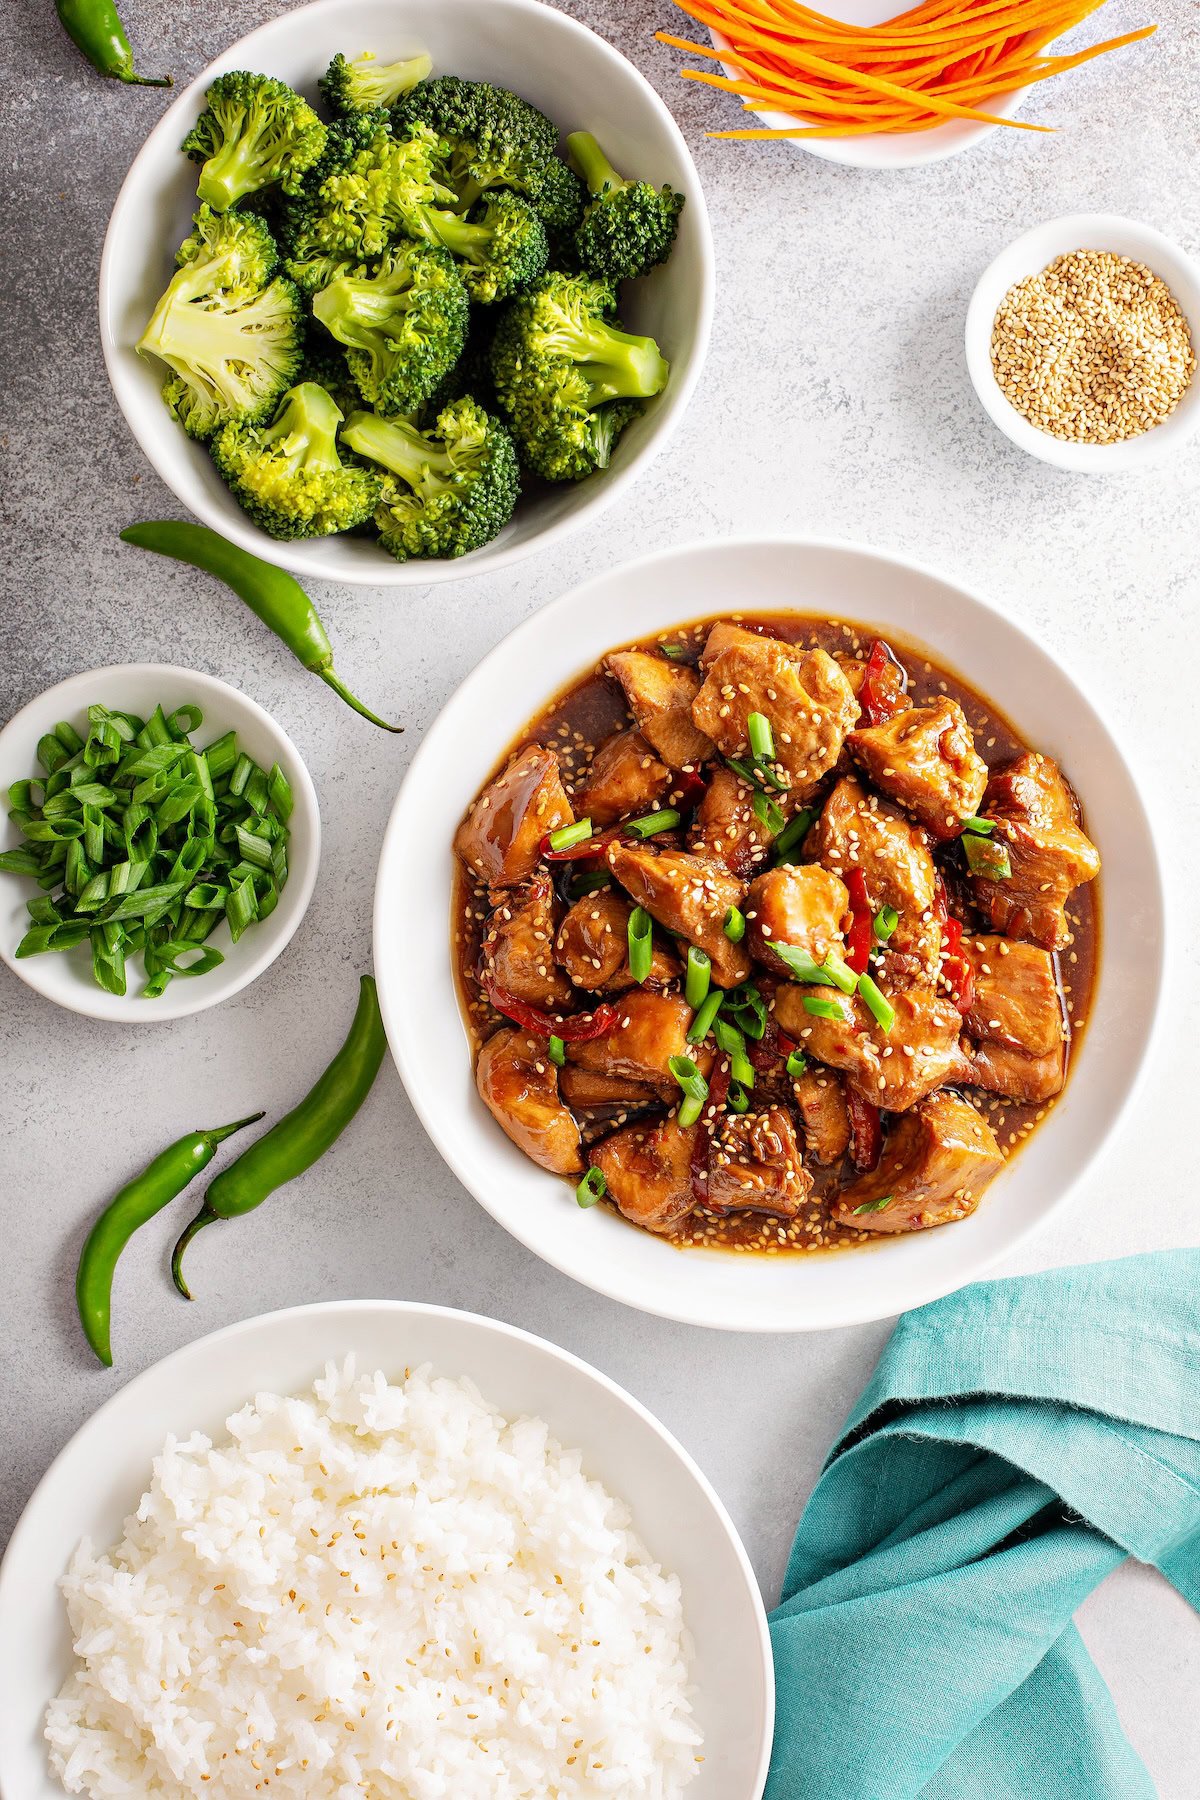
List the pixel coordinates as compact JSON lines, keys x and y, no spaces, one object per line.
{"x":253,"y":133}
{"x":403,"y":325}
{"x":498,"y":254}
{"x":448,"y":490}
{"x":491,"y":138}
{"x":288,"y":474}
{"x":558,"y":362}
{"x":230,"y":334}
{"x":361,"y":84}
{"x":325,"y":363}
{"x":362,"y":194}
{"x":628,"y":227}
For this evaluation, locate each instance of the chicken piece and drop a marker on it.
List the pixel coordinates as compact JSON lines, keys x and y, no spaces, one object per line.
{"x":649,"y":1030}
{"x":500,"y":838}
{"x":858,"y":830}
{"x":660,"y":695}
{"x":626,"y":778}
{"x":805,"y":698}
{"x":648,"y":1172}
{"x":934,"y":1167}
{"x":824,"y":1119}
{"x":724,"y":634}
{"x":518,"y":1084}
{"x":518,"y":950}
{"x":894,"y":1072}
{"x":589,"y":1090}
{"x":726,"y":827}
{"x":593,"y":947}
{"x":999,"y":1069}
{"x":690,"y":895}
{"x":754,"y":1165}
{"x":1016,"y":1001}
{"x":1037,"y":819}
{"x":802,"y":905}
{"x":925,"y":758}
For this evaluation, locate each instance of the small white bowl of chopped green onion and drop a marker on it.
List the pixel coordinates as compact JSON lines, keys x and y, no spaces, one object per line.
{"x":159,"y":842}
{"x":1082,"y":340}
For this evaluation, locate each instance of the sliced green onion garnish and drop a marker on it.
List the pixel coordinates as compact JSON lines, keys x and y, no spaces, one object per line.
{"x":685,"y":1072}
{"x":984,"y":827}
{"x":641,"y":943}
{"x":886,"y":921}
{"x":876,"y":1003}
{"x":869,"y":1206}
{"x":730,"y":1040}
{"x":762,"y":743}
{"x":699,"y":976}
{"x":796,"y":1064}
{"x":675,"y":652}
{"x":570,"y":835}
{"x":986,"y":857}
{"x":748,"y":1010}
{"x":824,"y":1009}
{"x":645,"y":827}
{"x":768,"y":814}
{"x":593,"y":1187}
{"x":756,"y":773}
{"x":702,"y":1023}
{"x":558,"y":1052}
{"x":797,"y":829}
{"x":579,"y":885}
{"x":737,"y":1100}
{"x":279,"y":793}
{"x":839,"y":974}
{"x":735,"y":925}
{"x":802,"y":966}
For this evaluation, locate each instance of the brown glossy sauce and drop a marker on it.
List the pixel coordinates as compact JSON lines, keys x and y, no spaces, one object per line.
{"x":579,"y":718}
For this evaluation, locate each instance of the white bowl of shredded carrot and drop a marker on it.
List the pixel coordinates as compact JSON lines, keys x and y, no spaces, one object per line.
{"x":884,"y":92}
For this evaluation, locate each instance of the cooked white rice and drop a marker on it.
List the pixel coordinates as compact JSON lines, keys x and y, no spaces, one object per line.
{"x":374,"y":1590}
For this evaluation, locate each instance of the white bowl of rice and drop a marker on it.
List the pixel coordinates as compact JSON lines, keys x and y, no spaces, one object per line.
{"x":308,"y":1550}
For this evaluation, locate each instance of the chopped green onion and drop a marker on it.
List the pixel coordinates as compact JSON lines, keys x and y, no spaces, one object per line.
{"x":735,"y":925}
{"x":730,"y":1040}
{"x":592,"y":1188}
{"x":986,"y":857}
{"x":279,"y":793}
{"x":762,"y":743}
{"x":675,"y":652}
{"x":756,"y":773}
{"x":768,"y":814}
{"x":877,"y":1004}
{"x":695,"y":1088}
{"x":592,"y":883}
{"x":984,"y":827}
{"x":737,"y":1100}
{"x":241,"y":908}
{"x":886,"y":921}
{"x":748,"y":1010}
{"x":824,"y":1009}
{"x":796,"y":1064}
{"x":797,"y":828}
{"x":870,"y":1206}
{"x":645,"y":827}
{"x":253,"y":848}
{"x":839,"y":974}
{"x":558,"y":1052}
{"x":570,"y":835}
{"x":699,"y":976}
{"x":802,"y":966}
{"x":641,"y":943}
{"x":702,"y":1024}
{"x":221,"y":755}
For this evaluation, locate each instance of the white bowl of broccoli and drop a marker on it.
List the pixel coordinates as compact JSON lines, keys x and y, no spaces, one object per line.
{"x":404,"y":332}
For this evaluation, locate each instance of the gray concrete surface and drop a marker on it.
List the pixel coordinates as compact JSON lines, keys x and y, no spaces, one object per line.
{"x":836,"y":401}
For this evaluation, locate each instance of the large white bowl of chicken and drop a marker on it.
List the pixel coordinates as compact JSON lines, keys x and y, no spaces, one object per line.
{"x":880,"y":811}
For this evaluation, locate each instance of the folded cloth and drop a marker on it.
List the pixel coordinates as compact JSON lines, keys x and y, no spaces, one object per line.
{"x":1016,"y":1442}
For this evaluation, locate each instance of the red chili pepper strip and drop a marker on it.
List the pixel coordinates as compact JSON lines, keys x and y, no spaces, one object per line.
{"x":859,"y":936}
{"x":866,"y":1130}
{"x":687,"y":789}
{"x":576,"y":1030}
{"x":718,"y":1093}
{"x":957,"y":969}
{"x":881,"y":691}
{"x":784,"y":1045}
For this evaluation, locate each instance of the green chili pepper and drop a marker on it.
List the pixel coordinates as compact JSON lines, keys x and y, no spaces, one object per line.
{"x":94,"y":27}
{"x":139,"y":1200}
{"x":302,"y":1135}
{"x":274,"y":595}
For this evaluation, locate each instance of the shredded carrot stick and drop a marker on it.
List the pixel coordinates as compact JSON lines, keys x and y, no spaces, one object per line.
{"x":940,"y":60}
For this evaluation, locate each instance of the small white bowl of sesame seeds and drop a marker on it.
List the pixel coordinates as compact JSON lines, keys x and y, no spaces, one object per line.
{"x":1082,"y":341}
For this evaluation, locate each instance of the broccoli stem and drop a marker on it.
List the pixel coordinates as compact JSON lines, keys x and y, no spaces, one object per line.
{"x":588,"y":160}
{"x":618,"y":365}
{"x":305,"y":427}
{"x":470,"y":243}
{"x":236,"y":169}
{"x":397,"y":446}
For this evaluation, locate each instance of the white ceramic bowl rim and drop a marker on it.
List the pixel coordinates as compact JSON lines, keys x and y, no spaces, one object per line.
{"x":58,"y":977}
{"x":1028,"y":255}
{"x":99,"y":1434}
{"x":918,"y":1270}
{"x":345,"y":560}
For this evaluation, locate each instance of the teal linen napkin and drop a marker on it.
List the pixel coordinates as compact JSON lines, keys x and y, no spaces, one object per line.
{"x":1017,"y":1441}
